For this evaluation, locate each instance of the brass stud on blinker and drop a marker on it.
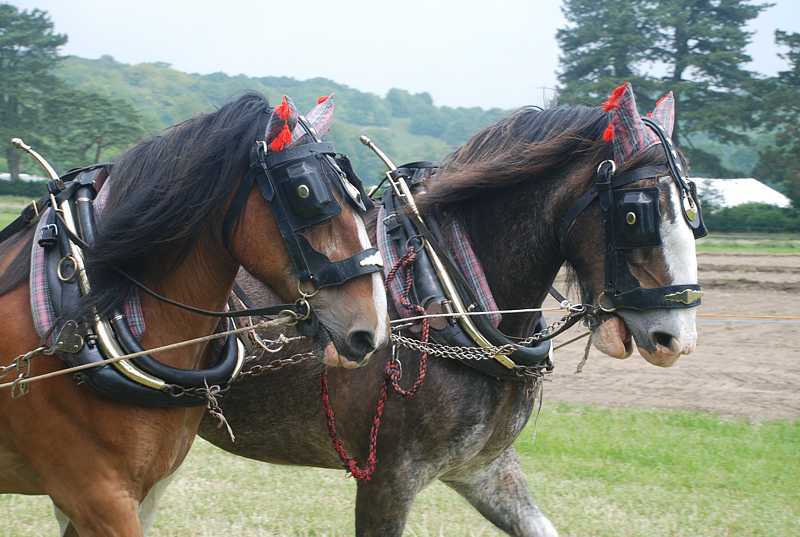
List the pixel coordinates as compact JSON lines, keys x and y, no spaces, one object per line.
{"x":630,"y":218}
{"x":303,"y":191}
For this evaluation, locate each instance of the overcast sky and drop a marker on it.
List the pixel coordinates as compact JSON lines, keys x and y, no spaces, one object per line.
{"x":463,"y":52}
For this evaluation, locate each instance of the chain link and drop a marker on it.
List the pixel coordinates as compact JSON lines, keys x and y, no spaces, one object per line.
{"x":271,"y":367}
{"x":488,"y":353}
{"x":22,"y":365}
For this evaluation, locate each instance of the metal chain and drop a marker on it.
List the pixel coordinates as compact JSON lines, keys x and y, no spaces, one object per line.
{"x":275,"y":365}
{"x":22,"y":365}
{"x":488,"y":353}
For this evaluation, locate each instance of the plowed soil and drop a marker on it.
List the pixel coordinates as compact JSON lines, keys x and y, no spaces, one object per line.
{"x":742,"y":367}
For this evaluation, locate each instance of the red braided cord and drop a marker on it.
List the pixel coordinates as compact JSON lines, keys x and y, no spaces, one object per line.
{"x":392,"y":376}
{"x":392,"y":367}
{"x":365,"y":473}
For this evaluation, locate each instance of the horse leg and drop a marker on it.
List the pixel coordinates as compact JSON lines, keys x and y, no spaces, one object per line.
{"x":383,"y":504}
{"x":99,"y":513}
{"x":499,"y":492}
{"x":147,"y":510}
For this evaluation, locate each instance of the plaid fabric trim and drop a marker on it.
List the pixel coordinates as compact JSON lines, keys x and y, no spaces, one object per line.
{"x":41,"y":306}
{"x":320,"y":118}
{"x":631,"y":136}
{"x":390,"y":257}
{"x":463,"y":254}
{"x":664,"y":113}
{"x":44,"y":315}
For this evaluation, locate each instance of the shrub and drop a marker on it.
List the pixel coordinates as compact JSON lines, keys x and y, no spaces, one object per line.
{"x":753,"y":217}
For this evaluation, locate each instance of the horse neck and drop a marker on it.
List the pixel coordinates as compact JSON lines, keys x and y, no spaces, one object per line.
{"x":204,"y":279}
{"x":513,"y":235}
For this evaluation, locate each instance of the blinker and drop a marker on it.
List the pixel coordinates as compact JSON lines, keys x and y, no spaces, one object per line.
{"x":639,"y":216}
{"x":304,"y":186}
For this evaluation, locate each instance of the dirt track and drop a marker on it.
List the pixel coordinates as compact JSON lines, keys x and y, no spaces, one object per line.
{"x":741,"y":367}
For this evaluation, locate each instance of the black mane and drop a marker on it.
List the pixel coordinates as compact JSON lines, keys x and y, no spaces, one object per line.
{"x":529,"y":143}
{"x":166,"y":189}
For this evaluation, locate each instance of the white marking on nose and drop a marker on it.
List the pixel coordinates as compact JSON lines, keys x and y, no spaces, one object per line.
{"x":374,"y":259}
{"x":378,"y":293}
{"x":681,"y":259}
{"x":678,"y":243}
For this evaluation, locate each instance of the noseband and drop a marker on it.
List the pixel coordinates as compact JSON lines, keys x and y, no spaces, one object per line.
{"x":631,"y":219}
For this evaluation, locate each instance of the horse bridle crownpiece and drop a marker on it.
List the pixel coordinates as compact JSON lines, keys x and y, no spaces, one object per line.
{"x":631,"y":219}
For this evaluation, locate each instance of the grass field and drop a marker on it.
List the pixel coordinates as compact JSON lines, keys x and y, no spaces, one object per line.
{"x":750,"y":243}
{"x":10,"y":206}
{"x":595,"y":472}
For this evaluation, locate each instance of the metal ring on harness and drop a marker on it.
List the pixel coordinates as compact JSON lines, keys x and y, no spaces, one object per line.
{"x":613,"y":166}
{"x":68,"y":277}
{"x":306,"y":295}
{"x":605,"y":307}
{"x":300,"y":302}
{"x":415,"y":243}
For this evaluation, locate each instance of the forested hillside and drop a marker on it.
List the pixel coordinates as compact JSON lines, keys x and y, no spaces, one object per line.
{"x":408,"y":126}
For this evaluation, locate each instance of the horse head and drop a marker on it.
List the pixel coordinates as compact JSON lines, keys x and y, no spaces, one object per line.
{"x":632,"y":237}
{"x":311,"y":197}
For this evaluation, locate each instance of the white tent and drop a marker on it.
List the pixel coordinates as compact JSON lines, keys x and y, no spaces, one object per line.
{"x":5,"y":176}
{"x":732,"y":192}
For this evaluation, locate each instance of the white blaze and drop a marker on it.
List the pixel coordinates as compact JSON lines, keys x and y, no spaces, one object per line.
{"x":378,"y":292}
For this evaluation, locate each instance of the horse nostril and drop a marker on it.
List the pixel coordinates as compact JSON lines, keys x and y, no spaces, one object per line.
{"x":361,"y":342}
{"x":663,"y":339}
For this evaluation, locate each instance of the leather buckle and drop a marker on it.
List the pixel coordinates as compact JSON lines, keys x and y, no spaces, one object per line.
{"x":48,"y":236}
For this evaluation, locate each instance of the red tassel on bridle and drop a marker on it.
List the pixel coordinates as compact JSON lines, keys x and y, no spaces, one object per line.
{"x":282,"y":110}
{"x":608,"y":134}
{"x":284,"y":137}
{"x":613,"y":100}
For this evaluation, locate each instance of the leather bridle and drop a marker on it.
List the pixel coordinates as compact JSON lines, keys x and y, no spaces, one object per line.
{"x":631,"y":219}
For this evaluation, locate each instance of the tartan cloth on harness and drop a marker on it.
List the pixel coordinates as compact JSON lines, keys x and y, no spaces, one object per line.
{"x":44,"y":314}
{"x":460,"y":248}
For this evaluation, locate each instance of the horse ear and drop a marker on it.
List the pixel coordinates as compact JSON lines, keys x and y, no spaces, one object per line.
{"x":280,"y":125}
{"x":320,"y":118}
{"x":625,"y":126}
{"x":664,"y":113}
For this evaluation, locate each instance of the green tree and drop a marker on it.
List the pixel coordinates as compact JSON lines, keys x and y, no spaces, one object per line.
{"x":779,"y":163}
{"x":84,"y":126}
{"x":696,"y":48}
{"x":28,"y":53}
{"x":702,"y":44}
{"x":603,"y":44}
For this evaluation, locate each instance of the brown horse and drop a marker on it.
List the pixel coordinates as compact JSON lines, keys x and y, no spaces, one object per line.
{"x":510,"y":186}
{"x":163,"y":222}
